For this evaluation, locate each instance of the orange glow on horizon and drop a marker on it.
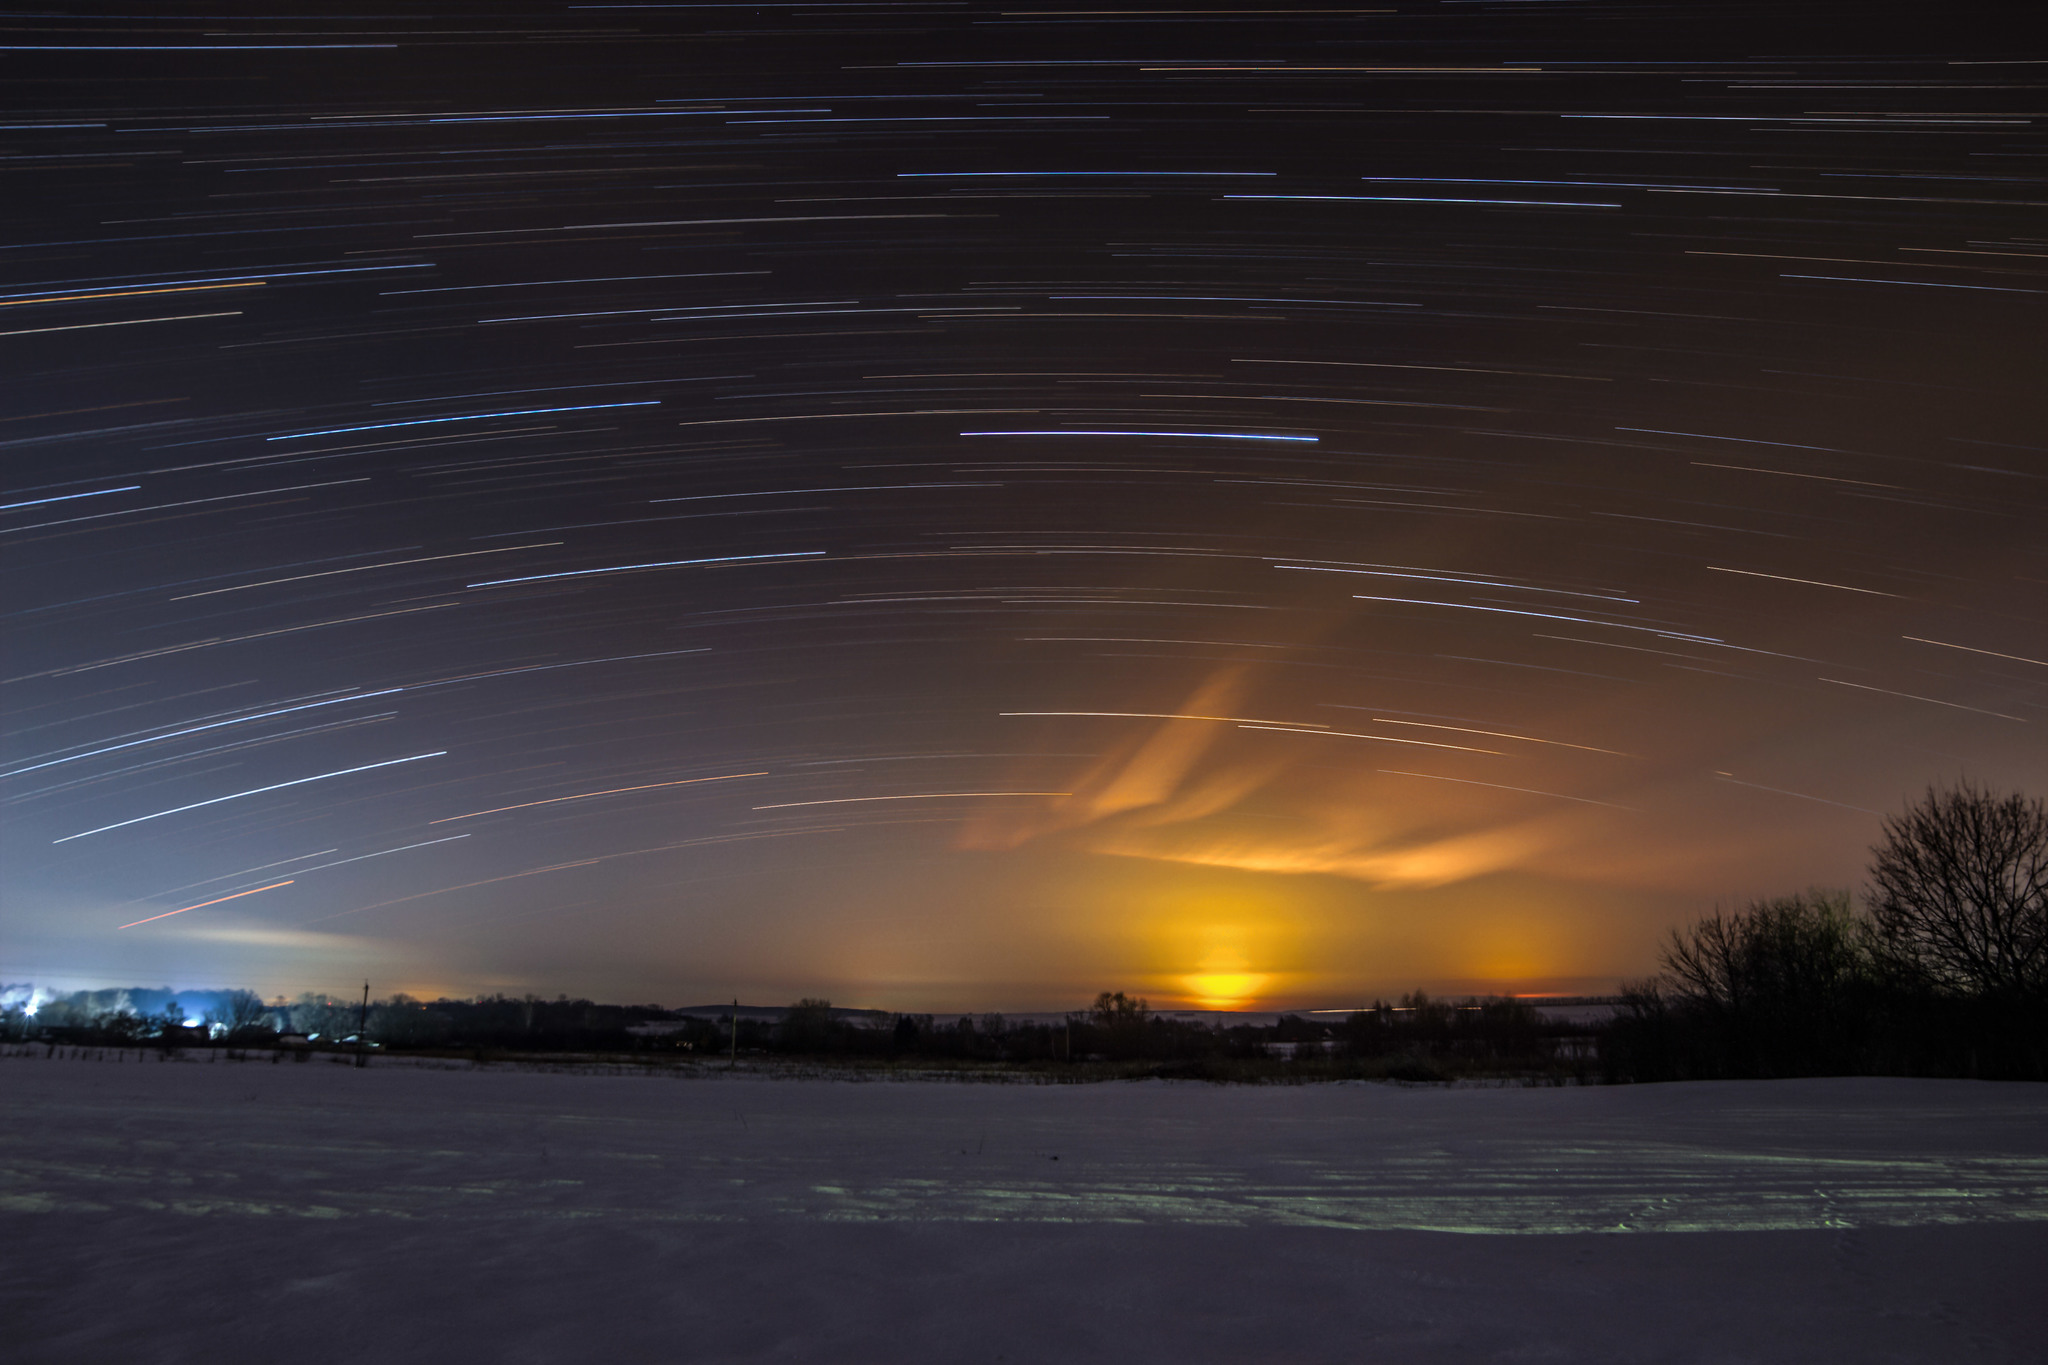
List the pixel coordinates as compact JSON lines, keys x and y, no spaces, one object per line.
{"x":1225,"y":990}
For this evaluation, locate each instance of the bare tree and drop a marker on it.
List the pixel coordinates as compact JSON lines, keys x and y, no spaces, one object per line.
{"x":322,"y":1017}
{"x":1109,"y":1010}
{"x":1960,"y":886}
{"x":240,"y":1013}
{"x":1790,"y":951}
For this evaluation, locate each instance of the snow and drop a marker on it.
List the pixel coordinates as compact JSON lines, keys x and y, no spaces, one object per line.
{"x":170,"y":1211}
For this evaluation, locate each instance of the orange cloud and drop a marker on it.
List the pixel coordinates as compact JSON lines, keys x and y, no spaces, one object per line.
{"x":1141,"y":774}
{"x":1183,"y":789}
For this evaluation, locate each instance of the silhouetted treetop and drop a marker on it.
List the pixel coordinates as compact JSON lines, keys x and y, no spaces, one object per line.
{"x":1960,"y":892}
{"x":1113,"y":1008}
{"x":1797,"y":951}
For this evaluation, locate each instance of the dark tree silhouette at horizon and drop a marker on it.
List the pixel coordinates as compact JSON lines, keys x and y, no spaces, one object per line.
{"x":1960,"y":899}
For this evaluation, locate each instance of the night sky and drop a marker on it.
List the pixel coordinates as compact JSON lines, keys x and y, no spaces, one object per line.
{"x":942,"y":506}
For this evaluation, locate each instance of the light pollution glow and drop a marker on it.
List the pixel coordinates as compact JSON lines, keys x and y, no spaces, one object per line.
{"x":942,"y":551}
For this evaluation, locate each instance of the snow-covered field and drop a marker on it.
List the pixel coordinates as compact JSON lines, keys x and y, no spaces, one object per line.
{"x":192,"y":1210}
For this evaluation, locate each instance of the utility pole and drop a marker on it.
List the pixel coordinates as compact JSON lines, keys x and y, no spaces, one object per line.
{"x":733,"y":1065}
{"x":363,"y":1028}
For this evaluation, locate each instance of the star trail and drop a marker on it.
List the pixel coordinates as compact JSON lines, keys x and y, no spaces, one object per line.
{"x":948,"y":507}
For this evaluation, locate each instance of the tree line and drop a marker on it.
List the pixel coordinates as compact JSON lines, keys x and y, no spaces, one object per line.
{"x":1414,"y":1038}
{"x":1941,"y":971}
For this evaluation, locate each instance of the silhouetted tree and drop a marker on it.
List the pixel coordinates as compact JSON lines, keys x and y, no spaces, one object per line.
{"x":1794,"y":953}
{"x":1961,"y":892}
{"x":322,"y":1017}
{"x":807,"y":1026}
{"x":241,"y":1014}
{"x":1777,"y":989}
{"x":1110,"y":1010}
